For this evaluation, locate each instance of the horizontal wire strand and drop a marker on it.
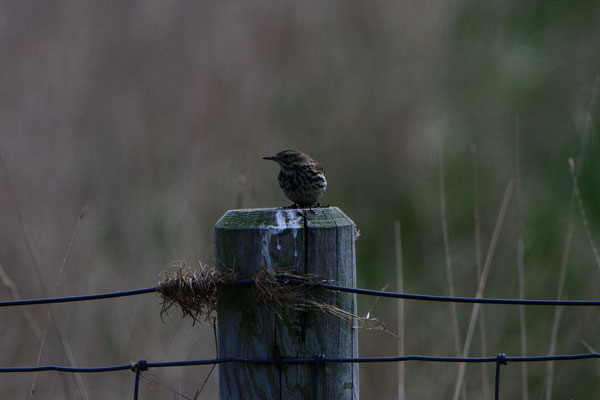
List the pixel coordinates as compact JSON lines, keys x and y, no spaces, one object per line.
{"x":49,"y":300}
{"x":299,"y":361}
{"x":368,"y":292}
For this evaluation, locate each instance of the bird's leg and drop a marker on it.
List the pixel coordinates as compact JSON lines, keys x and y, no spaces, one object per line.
{"x":310,"y":210}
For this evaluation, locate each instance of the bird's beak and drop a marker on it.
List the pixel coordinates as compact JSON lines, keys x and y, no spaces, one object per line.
{"x":272,"y":158}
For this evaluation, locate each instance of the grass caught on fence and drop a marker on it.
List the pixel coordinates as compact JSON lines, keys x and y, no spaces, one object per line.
{"x":194,"y":291}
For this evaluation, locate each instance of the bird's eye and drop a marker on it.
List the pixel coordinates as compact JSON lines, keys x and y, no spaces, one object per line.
{"x":286,"y":155}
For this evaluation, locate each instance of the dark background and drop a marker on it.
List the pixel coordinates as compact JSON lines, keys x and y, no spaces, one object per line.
{"x":155,"y":115}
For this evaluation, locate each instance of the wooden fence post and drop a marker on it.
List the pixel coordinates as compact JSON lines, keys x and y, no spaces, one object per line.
{"x":318,"y":241}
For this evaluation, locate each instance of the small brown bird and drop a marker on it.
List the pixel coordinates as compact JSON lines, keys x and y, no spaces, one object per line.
{"x":302,"y":179}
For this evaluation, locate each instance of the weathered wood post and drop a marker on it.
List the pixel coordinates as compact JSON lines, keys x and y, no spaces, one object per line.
{"x":318,"y":241}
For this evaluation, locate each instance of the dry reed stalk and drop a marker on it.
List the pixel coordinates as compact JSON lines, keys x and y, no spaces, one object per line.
{"x":12,"y":199}
{"x":13,"y":290}
{"x":586,"y":222}
{"x":448,"y":259}
{"x":400,"y":288}
{"x":567,"y":246}
{"x":558,"y":310}
{"x":561,"y":282}
{"x":521,"y":261}
{"x":66,"y":344}
{"x":482,"y":336}
{"x":481,"y":287}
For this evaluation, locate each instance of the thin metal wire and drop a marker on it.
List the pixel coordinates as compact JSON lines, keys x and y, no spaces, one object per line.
{"x":137,"y":384}
{"x":48,"y":300}
{"x":316,"y":368}
{"x":481,"y":300}
{"x":66,"y":369}
{"x":316,"y":362}
{"x":426,"y":297}
{"x":312,"y":360}
{"x":136,"y":387}
{"x":138,"y":367}
{"x":367,"y":292}
{"x":500,"y":360}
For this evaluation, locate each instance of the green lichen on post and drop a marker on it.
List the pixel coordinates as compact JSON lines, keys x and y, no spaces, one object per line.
{"x":258,"y":217}
{"x":255,"y":218}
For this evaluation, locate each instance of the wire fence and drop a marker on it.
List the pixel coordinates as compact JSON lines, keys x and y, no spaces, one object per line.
{"x":319,"y":360}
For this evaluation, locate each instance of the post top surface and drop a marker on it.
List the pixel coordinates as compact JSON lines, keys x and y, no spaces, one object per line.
{"x":283,"y":218}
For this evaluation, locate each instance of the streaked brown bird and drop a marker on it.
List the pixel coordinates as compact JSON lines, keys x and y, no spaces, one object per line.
{"x":302,"y":179}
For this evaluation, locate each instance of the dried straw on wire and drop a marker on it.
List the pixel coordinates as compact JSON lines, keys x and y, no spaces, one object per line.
{"x":195,"y":292}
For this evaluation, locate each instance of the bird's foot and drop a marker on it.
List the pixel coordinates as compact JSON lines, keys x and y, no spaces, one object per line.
{"x":311,"y":210}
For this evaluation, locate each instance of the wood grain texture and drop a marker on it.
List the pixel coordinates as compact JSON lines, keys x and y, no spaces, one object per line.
{"x":321,"y":242}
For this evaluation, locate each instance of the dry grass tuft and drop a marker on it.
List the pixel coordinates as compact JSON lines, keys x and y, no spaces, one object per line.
{"x":284,"y":290}
{"x":281,"y":290}
{"x":193,"y":290}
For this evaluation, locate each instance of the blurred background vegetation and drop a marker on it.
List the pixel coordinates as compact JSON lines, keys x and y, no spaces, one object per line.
{"x":154,"y":116}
